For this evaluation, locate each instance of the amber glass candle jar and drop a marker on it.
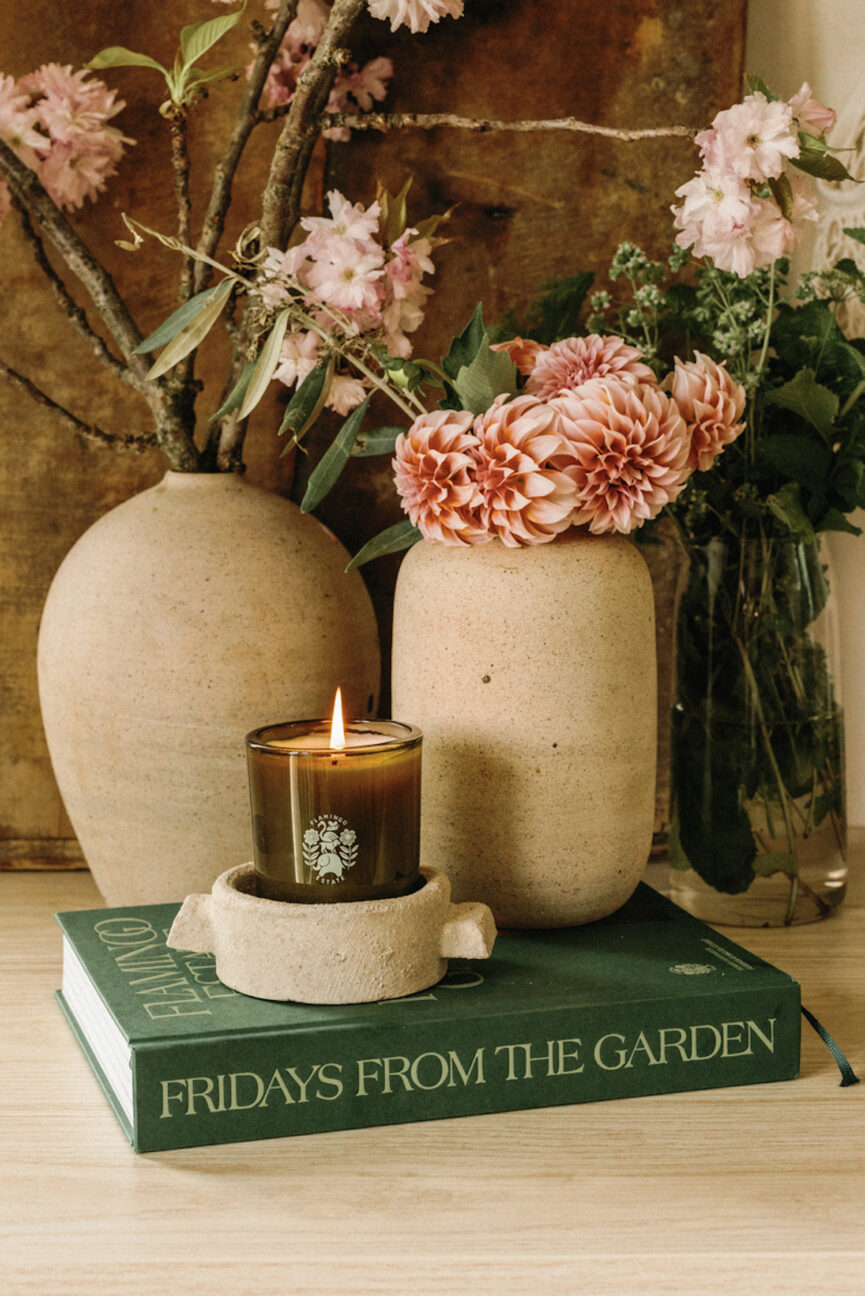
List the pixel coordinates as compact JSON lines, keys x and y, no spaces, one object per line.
{"x":335,"y":822}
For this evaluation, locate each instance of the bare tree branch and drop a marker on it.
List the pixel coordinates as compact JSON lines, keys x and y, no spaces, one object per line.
{"x":281,"y":201}
{"x":430,"y":121}
{"x":178,"y":123}
{"x":168,"y":407}
{"x":89,"y":430}
{"x":71,"y":309}
{"x":247,"y":118}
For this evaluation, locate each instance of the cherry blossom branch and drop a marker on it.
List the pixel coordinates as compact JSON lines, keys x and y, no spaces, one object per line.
{"x":70,"y":308}
{"x":169,"y":408}
{"x":89,"y":430}
{"x":281,"y":200}
{"x":429,"y":121}
{"x":178,"y":123}
{"x":247,"y":118}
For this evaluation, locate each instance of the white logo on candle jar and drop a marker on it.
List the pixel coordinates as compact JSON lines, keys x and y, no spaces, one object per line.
{"x":329,"y":848}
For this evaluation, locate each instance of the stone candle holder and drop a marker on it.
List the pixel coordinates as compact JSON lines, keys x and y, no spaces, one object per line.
{"x":345,"y":952}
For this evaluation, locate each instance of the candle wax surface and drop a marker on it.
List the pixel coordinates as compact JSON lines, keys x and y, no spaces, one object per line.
{"x":332,"y":824}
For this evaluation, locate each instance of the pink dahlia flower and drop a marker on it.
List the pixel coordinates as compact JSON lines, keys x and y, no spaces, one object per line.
{"x":523,"y":351}
{"x":525,"y":499}
{"x":711,"y":403}
{"x":566,"y":365}
{"x":628,"y":447}
{"x":433,"y":467}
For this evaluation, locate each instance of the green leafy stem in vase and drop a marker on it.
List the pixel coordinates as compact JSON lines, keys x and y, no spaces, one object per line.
{"x":757,"y":732}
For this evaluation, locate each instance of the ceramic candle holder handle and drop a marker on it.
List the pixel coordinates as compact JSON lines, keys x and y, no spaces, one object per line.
{"x":355,"y":952}
{"x":469,"y":932}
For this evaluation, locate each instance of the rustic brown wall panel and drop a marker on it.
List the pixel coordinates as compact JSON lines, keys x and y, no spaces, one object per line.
{"x":528,"y":207}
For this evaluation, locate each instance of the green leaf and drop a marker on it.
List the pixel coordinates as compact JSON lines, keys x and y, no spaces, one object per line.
{"x":177,"y":321}
{"x":809,"y":399}
{"x":798,"y":456}
{"x":199,"y":37}
{"x":200,"y":77}
{"x":120,"y":56}
{"x":465,"y":347}
{"x":782,"y":192}
{"x":379,"y":442}
{"x":402,"y":535}
{"x":824,"y":166}
{"x":490,"y":374}
{"x":327,"y":470}
{"x":556,"y":313}
{"x":236,"y":395}
{"x":857,"y":234}
{"x":786,"y":506}
{"x":834,"y":520}
{"x":194,"y":332}
{"x":753,"y":83}
{"x":393,"y":213}
{"x":307,"y":402}
{"x":769,"y":862}
{"x":265,"y":365}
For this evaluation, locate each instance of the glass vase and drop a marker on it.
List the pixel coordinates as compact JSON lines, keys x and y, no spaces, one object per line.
{"x":758,"y":827}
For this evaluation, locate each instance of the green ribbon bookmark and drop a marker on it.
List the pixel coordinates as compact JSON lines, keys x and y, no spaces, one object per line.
{"x":848,"y":1075}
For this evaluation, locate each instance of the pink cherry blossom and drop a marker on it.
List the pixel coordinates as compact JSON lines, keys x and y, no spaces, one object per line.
{"x":434,"y":472}
{"x":298,"y":357}
{"x":19,"y":121}
{"x":812,"y":116}
{"x":568,"y":364}
{"x":414,"y":14}
{"x":754,"y":139}
{"x":346,"y":219}
{"x":523,"y":351}
{"x":345,"y":394}
{"x":403,"y":294}
{"x":75,"y":150}
{"x":628,"y":447}
{"x":348,"y":277}
{"x":714,"y":196}
{"x":711,"y":403}
{"x":771,"y":235}
{"x":525,"y":498}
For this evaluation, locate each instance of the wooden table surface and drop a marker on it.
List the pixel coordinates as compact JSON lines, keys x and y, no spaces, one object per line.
{"x":753,"y":1190}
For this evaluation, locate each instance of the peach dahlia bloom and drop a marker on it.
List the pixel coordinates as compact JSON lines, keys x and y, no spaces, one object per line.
{"x":628,"y":448}
{"x":433,"y":468}
{"x":524,"y":498}
{"x":711,"y":403}
{"x":568,"y":364}
{"x":523,"y":351}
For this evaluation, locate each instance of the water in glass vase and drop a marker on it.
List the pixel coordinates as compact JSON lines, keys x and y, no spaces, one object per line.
{"x":758,"y":828}
{"x":800,"y":870}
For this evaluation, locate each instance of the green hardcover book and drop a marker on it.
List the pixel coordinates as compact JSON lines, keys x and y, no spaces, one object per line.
{"x":647,"y":1001}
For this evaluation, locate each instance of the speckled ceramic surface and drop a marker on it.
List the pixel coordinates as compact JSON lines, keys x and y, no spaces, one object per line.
{"x":532,"y":674}
{"x":189,"y":615}
{"x":331,"y":953}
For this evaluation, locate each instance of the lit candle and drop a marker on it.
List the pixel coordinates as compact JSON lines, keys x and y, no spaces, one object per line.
{"x":335,"y":808}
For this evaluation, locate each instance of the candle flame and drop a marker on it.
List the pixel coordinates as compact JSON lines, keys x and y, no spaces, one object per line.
{"x":337,"y":732}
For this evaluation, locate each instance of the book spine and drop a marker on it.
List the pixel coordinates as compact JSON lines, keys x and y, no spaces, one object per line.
{"x":266,"y":1086}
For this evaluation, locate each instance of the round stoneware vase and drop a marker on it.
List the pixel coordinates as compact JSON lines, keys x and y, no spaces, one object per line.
{"x":532,"y":674}
{"x":192,"y":613}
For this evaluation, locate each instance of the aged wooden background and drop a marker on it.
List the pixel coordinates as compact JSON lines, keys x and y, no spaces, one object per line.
{"x":528,"y":207}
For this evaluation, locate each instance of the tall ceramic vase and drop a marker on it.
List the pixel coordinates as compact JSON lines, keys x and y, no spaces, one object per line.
{"x":184,"y":618}
{"x":532,"y":675}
